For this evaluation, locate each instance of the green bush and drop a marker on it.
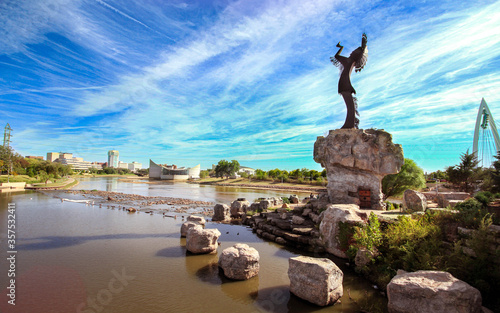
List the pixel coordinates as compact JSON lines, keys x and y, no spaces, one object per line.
{"x":485,"y":197}
{"x":285,"y":200}
{"x":471,"y":213}
{"x":481,"y":270}
{"x":369,"y":235}
{"x":412,"y":244}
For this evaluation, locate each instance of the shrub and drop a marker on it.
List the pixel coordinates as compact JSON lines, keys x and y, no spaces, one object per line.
{"x":369,"y":235}
{"x":485,"y":197}
{"x":471,"y":213}
{"x":481,"y":270}
{"x":285,"y":200}
{"x":389,"y":206}
{"x":412,"y":244}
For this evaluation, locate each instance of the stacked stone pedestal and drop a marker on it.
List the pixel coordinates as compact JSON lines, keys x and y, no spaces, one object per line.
{"x":357,"y":159}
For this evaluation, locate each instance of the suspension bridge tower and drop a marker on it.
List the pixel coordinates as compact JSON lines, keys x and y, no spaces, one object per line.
{"x":486,"y":141}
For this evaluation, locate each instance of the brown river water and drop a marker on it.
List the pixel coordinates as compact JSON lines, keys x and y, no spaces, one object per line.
{"x":71,"y":257}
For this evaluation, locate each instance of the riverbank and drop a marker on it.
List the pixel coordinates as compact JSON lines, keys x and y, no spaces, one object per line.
{"x":259,"y":184}
{"x":66,"y":183}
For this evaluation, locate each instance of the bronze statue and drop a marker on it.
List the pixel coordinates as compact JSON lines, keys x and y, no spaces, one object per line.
{"x":356,"y":60}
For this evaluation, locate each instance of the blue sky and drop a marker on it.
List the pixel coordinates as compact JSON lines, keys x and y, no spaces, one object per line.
{"x":191,"y":82}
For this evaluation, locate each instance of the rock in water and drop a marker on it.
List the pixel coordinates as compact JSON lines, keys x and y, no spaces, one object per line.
{"x":199,"y":240}
{"x":221,"y":213}
{"x":239,"y":208}
{"x":317,"y":280}
{"x":357,"y":159}
{"x":329,"y":226}
{"x":240,"y":262}
{"x":197,"y":219}
{"x":186,"y":226}
{"x":414,"y":201}
{"x":431,"y":292}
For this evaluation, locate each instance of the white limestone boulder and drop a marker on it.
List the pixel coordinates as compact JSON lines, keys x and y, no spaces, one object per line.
{"x":221,"y":213}
{"x":317,"y":280}
{"x":414,"y":201}
{"x":329,"y":226}
{"x":431,"y":292}
{"x":240,"y":262}
{"x":199,"y":240}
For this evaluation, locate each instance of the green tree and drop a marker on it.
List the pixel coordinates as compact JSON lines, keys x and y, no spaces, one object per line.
{"x":465,"y":173}
{"x":495,"y":173}
{"x":226,"y":168}
{"x":203,"y":173}
{"x":409,"y":177}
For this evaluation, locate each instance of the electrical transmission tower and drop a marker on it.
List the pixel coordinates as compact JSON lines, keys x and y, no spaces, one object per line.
{"x":6,"y":136}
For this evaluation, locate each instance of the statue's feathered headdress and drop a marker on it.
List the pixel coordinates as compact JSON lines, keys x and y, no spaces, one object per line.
{"x":361,"y":62}
{"x":361,"y":54}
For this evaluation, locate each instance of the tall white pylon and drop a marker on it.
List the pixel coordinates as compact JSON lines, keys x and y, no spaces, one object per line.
{"x":485,"y":120}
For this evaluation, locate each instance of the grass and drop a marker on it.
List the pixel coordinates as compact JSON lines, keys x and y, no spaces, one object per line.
{"x":254,"y":182}
{"x":18,"y":179}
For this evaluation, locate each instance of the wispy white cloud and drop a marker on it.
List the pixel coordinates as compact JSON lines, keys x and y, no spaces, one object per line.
{"x":255,"y":82}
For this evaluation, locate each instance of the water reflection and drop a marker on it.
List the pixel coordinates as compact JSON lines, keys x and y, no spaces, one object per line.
{"x":55,"y":242}
{"x":185,"y":190}
{"x":94,"y":241}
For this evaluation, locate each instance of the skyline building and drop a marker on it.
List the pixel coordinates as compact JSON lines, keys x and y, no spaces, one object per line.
{"x":113,"y":156}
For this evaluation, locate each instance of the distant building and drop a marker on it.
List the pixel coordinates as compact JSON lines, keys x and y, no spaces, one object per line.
{"x":52,"y":156}
{"x":113,"y":156}
{"x":68,"y":159}
{"x":133,"y":167}
{"x":34,"y":157}
{"x":172,"y":172}
{"x":98,"y":165}
{"x":248,"y":170}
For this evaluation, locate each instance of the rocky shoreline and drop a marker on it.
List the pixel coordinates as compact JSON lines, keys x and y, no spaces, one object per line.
{"x":287,"y":188}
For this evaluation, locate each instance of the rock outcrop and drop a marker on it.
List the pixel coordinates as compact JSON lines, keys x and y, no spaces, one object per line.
{"x":329,"y":226}
{"x":357,"y":159}
{"x":414,"y":201}
{"x":199,"y":240}
{"x":317,"y":280}
{"x":239,"y":262}
{"x":221,"y":213}
{"x":239,"y":208}
{"x":431,"y":292}
{"x":443,"y":198}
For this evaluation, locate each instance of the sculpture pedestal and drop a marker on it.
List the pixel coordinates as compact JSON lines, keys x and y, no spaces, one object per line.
{"x":356,"y":160}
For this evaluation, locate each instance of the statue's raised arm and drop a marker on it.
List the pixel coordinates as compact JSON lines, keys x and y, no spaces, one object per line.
{"x":357,"y":61}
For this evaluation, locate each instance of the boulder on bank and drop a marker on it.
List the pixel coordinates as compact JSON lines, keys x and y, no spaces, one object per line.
{"x":197,"y":219}
{"x":221,"y":212}
{"x":239,"y":208}
{"x":240,"y":262}
{"x":414,"y":201}
{"x":431,"y":292}
{"x":199,"y":240}
{"x":317,"y":280}
{"x":329,"y":226}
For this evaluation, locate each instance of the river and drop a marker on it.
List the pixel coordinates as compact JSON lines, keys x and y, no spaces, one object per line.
{"x":72,"y":257}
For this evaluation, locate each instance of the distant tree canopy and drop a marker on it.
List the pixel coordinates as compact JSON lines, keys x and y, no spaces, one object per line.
{"x":438,"y":175}
{"x":15,"y":164}
{"x":466,"y":172}
{"x":409,"y":177}
{"x":226,"y":168}
{"x":495,"y":173}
